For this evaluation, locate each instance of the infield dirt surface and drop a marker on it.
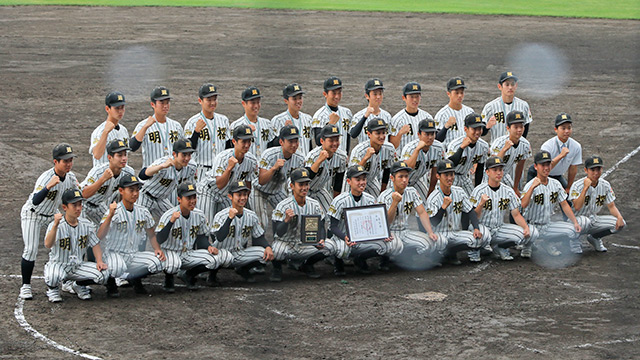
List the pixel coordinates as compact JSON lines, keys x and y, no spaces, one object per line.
{"x":56,"y":65}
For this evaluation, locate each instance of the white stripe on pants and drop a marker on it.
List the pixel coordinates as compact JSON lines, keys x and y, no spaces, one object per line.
{"x":136,"y":263}
{"x":55,"y":273}
{"x":507,"y":235}
{"x":187,"y":260}
{"x":31,"y":224}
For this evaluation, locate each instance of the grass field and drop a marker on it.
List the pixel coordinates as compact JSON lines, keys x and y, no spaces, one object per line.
{"x":619,"y":9}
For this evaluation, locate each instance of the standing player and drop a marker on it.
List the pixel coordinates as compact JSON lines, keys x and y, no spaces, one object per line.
{"x":468,"y":151}
{"x":208,"y":130}
{"x":374,"y":93}
{"x":263,"y":131}
{"x":39,"y":209}
{"x":110,"y":129}
{"x":68,"y":237}
{"x":158,"y":132}
{"x":513,"y":149}
{"x":405,"y":124}
{"x":292,"y":94}
{"x":332,"y":113}
{"x":450,"y":120}
{"x":589,"y":195}
{"x":497,"y":109}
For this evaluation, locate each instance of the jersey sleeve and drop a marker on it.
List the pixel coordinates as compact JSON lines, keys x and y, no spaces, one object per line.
{"x":93,"y":237}
{"x":267,"y":160}
{"x":514,"y":200}
{"x":95,"y":137}
{"x":138,"y":128}
{"x":164,"y":220}
{"x":278,"y":213}
{"x":219,"y":220}
{"x":611,"y":196}
{"x":219,"y":163}
{"x":356,"y":156}
{"x":189,"y":128}
{"x":257,"y":229}
{"x":576,"y":189}
{"x":577,"y":158}
{"x":148,"y":218}
{"x":466,"y":203}
{"x":416,"y":198}
{"x":487,"y":112}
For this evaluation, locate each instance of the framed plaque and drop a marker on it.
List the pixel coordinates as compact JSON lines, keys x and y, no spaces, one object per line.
{"x":367,"y":223}
{"x":310,"y":229}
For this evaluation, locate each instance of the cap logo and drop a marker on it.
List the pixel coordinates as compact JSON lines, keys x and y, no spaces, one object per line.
{"x":240,"y":183}
{"x":509,"y":73}
{"x":564,"y":117}
{"x":68,"y":149}
{"x":133,"y":178}
{"x":430,"y":124}
{"x":187,"y":144}
{"x":120,"y":143}
{"x":164,"y":92}
{"x":296,"y":87}
{"x":293,"y":131}
{"x":247,"y":131}
{"x":596,"y":161}
{"x":119,"y":97}
{"x":336,"y":82}
{"x":212,"y":88}
{"x":189,"y":187}
{"x":517,"y":116}
{"x":304,"y":173}
{"x":335,"y":129}
{"x":380,"y":122}
{"x":458,"y":82}
{"x":415,"y":87}
{"x":448,"y":165}
{"x":376,"y":82}
{"x":545,"y":155}
{"x":478,"y":119}
{"x":403,"y":164}
{"x":360,"y":168}
{"x":497,"y":161}
{"x":77,"y":193}
{"x":254,"y":92}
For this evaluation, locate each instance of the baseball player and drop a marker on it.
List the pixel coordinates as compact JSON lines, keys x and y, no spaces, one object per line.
{"x":492,"y":200}
{"x":265,"y":135}
{"x":468,"y":153}
{"x":374,"y":93}
{"x":513,"y":149}
{"x":158,"y":132}
{"x":540,"y":197}
{"x":208,"y":131}
{"x":292,"y":94}
{"x":406,"y":122}
{"x":589,"y":195}
{"x":326,"y":164}
{"x":274,"y":168}
{"x":287,"y":218}
{"x":497,"y":110}
{"x":68,"y":237}
{"x":332,"y":113}
{"x":39,"y":209}
{"x":446,"y":207}
{"x":376,"y":155}
{"x":422,"y":154}
{"x":110,"y":129}
{"x":123,"y":228}
{"x":229,"y":166}
{"x":450,"y":119}
{"x":234,"y":227}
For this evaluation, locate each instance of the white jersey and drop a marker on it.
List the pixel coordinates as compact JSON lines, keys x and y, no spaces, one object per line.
{"x":246,"y":170}
{"x":241,"y":230}
{"x":452,"y":219}
{"x":158,"y":140}
{"x":498,"y":108}
{"x":264,"y":133}
{"x":106,"y":193}
{"x":328,"y":168}
{"x":500,"y":201}
{"x":310,"y":207}
{"x":543,"y":201}
{"x":406,"y":207}
{"x":185,"y":230}
{"x":53,"y":199}
{"x":574,"y":157}
{"x":521,"y":151}
{"x":128,"y":229}
{"x":457,"y":130}
{"x":362,"y":137}
{"x":165,"y":182}
{"x":346,"y":200}
{"x":470,"y":155}
{"x":72,"y":241}
{"x":402,"y":118}
{"x":279,"y":179}
{"x":213,"y":137}
{"x":302,"y":123}
{"x":426,"y":159}
{"x":594,"y":199}
{"x":321,"y":118}
{"x":377,"y":162}
{"x":118,"y":133}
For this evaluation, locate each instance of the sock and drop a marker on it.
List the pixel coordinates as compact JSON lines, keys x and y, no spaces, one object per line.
{"x":27,"y":270}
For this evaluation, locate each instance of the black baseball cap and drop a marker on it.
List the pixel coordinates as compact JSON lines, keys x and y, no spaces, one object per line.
{"x":455,"y":83}
{"x":506,"y":76}
{"x":411,"y":87}
{"x":427,"y":126}
{"x":332,"y":83}
{"x":63,"y":151}
{"x":289,"y":132}
{"x":115,"y":98}
{"x":186,"y":189}
{"x":329,"y":130}
{"x":242,"y":132}
{"x":71,"y":196}
{"x":593,"y":162}
{"x":542,"y":157}
{"x":183,"y":145}
{"x":399,"y":166}
{"x":473,"y":120}
{"x":355,"y":171}
{"x":300,"y":175}
{"x":237,"y":186}
{"x":117,"y":145}
{"x":292,"y":90}
{"x":160,"y":93}
{"x":562,"y":118}
{"x":128,"y":180}
{"x":444,"y":166}
{"x":515,"y":117}
{"x":376,"y":124}
{"x":251,"y":93}
{"x":207,"y":90}
{"x":373,"y":84}
{"x":493,"y":161}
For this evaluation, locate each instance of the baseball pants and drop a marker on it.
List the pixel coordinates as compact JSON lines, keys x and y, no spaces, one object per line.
{"x":242,"y":257}
{"x":464,"y":181}
{"x":55,"y":273}
{"x":177,"y":260}
{"x":599,"y":224}
{"x":132,"y":266}
{"x":156,"y":206}
{"x":418,"y":241}
{"x":211,"y":204}
{"x":31,"y":223}
{"x":464,"y":239}
{"x":323,"y":196}
{"x":93,"y":212}
{"x":258,"y":202}
{"x":507,"y":235}
{"x":339,"y":248}
{"x":561,"y":231}
{"x":283,"y":251}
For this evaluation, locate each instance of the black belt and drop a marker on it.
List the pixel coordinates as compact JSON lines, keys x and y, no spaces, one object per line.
{"x":37,"y":213}
{"x":207,"y":166}
{"x":150,"y":196}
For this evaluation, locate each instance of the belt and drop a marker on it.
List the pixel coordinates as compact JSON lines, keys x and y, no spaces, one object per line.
{"x":206,"y":166}
{"x":150,"y":196}
{"x":37,"y":213}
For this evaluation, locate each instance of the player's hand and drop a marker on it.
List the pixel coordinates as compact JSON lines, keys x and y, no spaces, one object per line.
{"x":279,"y":164}
{"x":587,"y":182}
{"x":369,"y":111}
{"x":421,"y":145}
{"x":577,"y":227}
{"x":535,"y":183}
{"x":483,"y":199}
{"x":526,"y":231}
{"x":369,"y":153}
{"x":100,"y":265}
{"x":515,"y":189}
{"x":288,"y":122}
{"x":175,"y":216}
{"x":396,"y":197}
{"x":433,"y":236}
{"x":200,"y":125}
{"x":452,"y":121}
{"x":619,"y":223}
{"x":150,"y":121}
{"x":253,"y":127}
{"x":213,"y":250}
{"x":56,"y":218}
{"x":112,"y":208}
{"x":108,"y":126}
{"x":232,"y":162}
{"x":507,"y":145}
{"x":465,"y":142}
{"x":232,"y":212}
{"x":446,"y":201}
{"x":288,"y":215}
{"x":349,"y":243}
{"x":473,"y":169}
{"x":389,"y":239}
{"x":564,"y":152}
{"x":492,"y":121}
{"x":477,"y":234}
{"x":268,"y":254}
{"x":324,"y":155}
{"x":108,"y":174}
{"x":160,"y":254}
{"x":333,"y":118}
{"x":55,"y":180}
{"x":168,"y":163}
{"x":405,"y":129}
{"x":320,"y":244}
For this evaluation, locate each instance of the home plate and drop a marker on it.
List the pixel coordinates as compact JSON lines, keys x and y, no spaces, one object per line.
{"x":428,"y":296}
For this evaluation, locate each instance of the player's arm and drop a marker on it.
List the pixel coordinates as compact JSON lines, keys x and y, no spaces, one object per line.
{"x":396,"y":197}
{"x":97,"y":253}
{"x":386,"y":173}
{"x":151,"y":234}
{"x":425,"y":221}
{"x":100,"y":147}
{"x":367,"y":156}
{"x":413,"y":159}
{"x":520,"y":221}
{"x":139,"y":137}
{"x":50,"y":238}
{"x":567,"y":211}
{"x":526,"y":198}
{"x":90,"y":190}
{"x":613,"y":210}
{"x":564,"y":152}
{"x":223,"y":180}
{"x":338,"y":179}
{"x":103,"y":230}
{"x":322,"y":156}
{"x":222,"y":233}
{"x":163,"y":234}
{"x":571,"y":176}
{"x":267,"y":174}
{"x":518,"y":176}
{"x":578,"y":202}
{"x":148,"y":172}
{"x":480,"y":205}
{"x":433,"y":181}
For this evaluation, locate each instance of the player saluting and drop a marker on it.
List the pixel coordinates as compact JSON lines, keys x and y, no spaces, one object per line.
{"x":332,"y":113}
{"x":498,"y":109}
{"x":405,"y":123}
{"x":68,"y":237}
{"x":262,"y":129}
{"x":374,"y":93}
{"x":39,"y":209}
{"x":293,"y":97}
{"x":467,"y":151}
{"x":589,"y":195}
{"x":110,"y":129}
{"x":450,"y":119}
{"x":513,"y":149}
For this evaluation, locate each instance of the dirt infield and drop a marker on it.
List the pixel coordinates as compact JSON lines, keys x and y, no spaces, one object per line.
{"x":57,"y":63}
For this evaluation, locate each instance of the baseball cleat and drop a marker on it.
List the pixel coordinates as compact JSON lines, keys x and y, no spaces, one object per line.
{"x":25,"y":292}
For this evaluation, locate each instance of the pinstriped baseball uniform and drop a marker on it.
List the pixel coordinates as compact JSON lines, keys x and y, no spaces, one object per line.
{"x":376,"y":164}
{"x":402,"y":118}
{"x":98,"y":203}
{"x":457,"y":130}
{"x":264,"y":133}
{"x":33,"y":217}
{"x":498,"y":108}
{"x":471,"y":155}
{"x":426,"y":161}
{"x":156,"y":192}
{"x":320,"y":187}
{"x":236,"y":245}
{"x":362,"y":137}
{"x":501,"y":202}
{"x":212,"y":141}
{"x":512,"y":156}
{"x":119,"y":132}
{"x":595,"y":199}
{"x":303,"y":123}
{"x":67,"y":254}
{"x":158,"y":140}
{"x":321,"y":118}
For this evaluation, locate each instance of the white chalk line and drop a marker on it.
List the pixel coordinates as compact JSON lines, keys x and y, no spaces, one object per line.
{"x":621,"y":161}
{"x":610,"y":342}
{"x":479,"y":268}
{"x":626,"y":246}
{"x":537,"y":351}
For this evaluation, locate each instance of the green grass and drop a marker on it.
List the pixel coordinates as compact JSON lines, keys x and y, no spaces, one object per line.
{"x":613,"y":9}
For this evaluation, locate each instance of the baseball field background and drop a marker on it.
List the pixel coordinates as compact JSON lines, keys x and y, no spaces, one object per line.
{"x":58,"y":62}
